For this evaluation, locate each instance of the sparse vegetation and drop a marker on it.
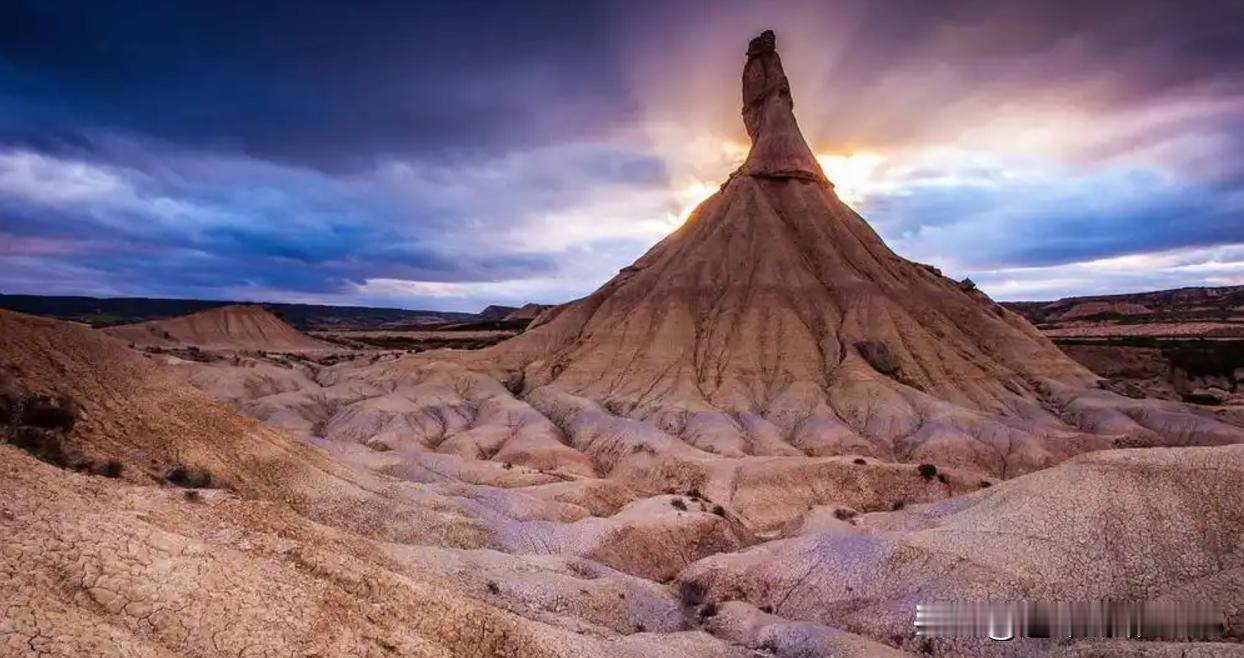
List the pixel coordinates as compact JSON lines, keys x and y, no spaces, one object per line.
{"x":193,"y":495}
{"x":898,"y":505}
{"x":514,"y":382}
{"x":109,"y":469}
{"x":767,"y":609}
{"x":927,"y":471}
{"x":189,"y":478}
{"x":859,"y":460}
{"x":617,"y":407}
{"x":189,"y":354}
{"x":692,"y":592}
{"x":39,"y":424}
{"x":985,"y":484}
{"x":879,"y":356}
{"x":493,"y":588}
{"x":8,"y":408}
{"x":640,"y":628}
{"x":644,"y":447}
{"x":42,"y":444}
{"x":45,"y":413}
{"x":719,"y":511}
{"x":678,"y":504}
{"x":843,"y":514}
{"x":708,"y":610}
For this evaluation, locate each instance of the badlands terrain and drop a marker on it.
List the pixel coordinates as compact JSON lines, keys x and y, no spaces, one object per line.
{"x":1184,"y":344}
{"x":769,"y":436}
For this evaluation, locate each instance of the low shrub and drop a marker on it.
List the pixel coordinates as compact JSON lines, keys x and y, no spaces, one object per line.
{"x":8,"y":407}
{"x":46,"y":413}
{"x":859,"y":460}
{"x":692,"y":592}
{"x":927,"y":471}
{"x":708,"y":610}
{"x":109,"y":469}
{"x":678,"y":504}
{"x":41,"y":444}
{"x":879,"y":356}
{"x":189,"y":478}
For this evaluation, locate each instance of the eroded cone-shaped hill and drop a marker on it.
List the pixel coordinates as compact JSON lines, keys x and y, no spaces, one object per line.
{"x":237,"y":327}
{"x":777,"y":310}
{"x":777,"y":296}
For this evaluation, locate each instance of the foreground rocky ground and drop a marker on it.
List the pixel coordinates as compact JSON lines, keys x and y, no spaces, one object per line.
{"x":162,"y":522}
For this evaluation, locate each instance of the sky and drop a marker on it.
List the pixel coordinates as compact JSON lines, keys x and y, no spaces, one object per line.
{"x":453,"y":155}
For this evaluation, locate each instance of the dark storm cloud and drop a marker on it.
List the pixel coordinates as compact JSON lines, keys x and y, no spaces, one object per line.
{"x":253,"y":227}
{"x":328,"y":84}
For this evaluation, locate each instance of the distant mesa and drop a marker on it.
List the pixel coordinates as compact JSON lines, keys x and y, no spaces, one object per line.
{"x":1223,"y":305}
{"x":227,"y":328}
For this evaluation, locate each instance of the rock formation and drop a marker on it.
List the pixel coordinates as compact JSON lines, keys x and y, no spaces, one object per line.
{"x":777,"y":311}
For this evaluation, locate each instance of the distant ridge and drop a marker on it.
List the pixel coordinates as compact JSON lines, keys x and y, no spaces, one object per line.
{"x":528,"y":312}
{"x":497,"y":312}
{"x":1175,"y":303}
{"x":111,"y":311}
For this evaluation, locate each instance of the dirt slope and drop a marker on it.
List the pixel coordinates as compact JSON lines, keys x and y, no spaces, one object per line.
{"x":284,"y":548}
{"x":1153,"y":524}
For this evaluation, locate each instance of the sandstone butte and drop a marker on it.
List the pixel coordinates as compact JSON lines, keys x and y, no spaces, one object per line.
{"x":776,"y":320}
